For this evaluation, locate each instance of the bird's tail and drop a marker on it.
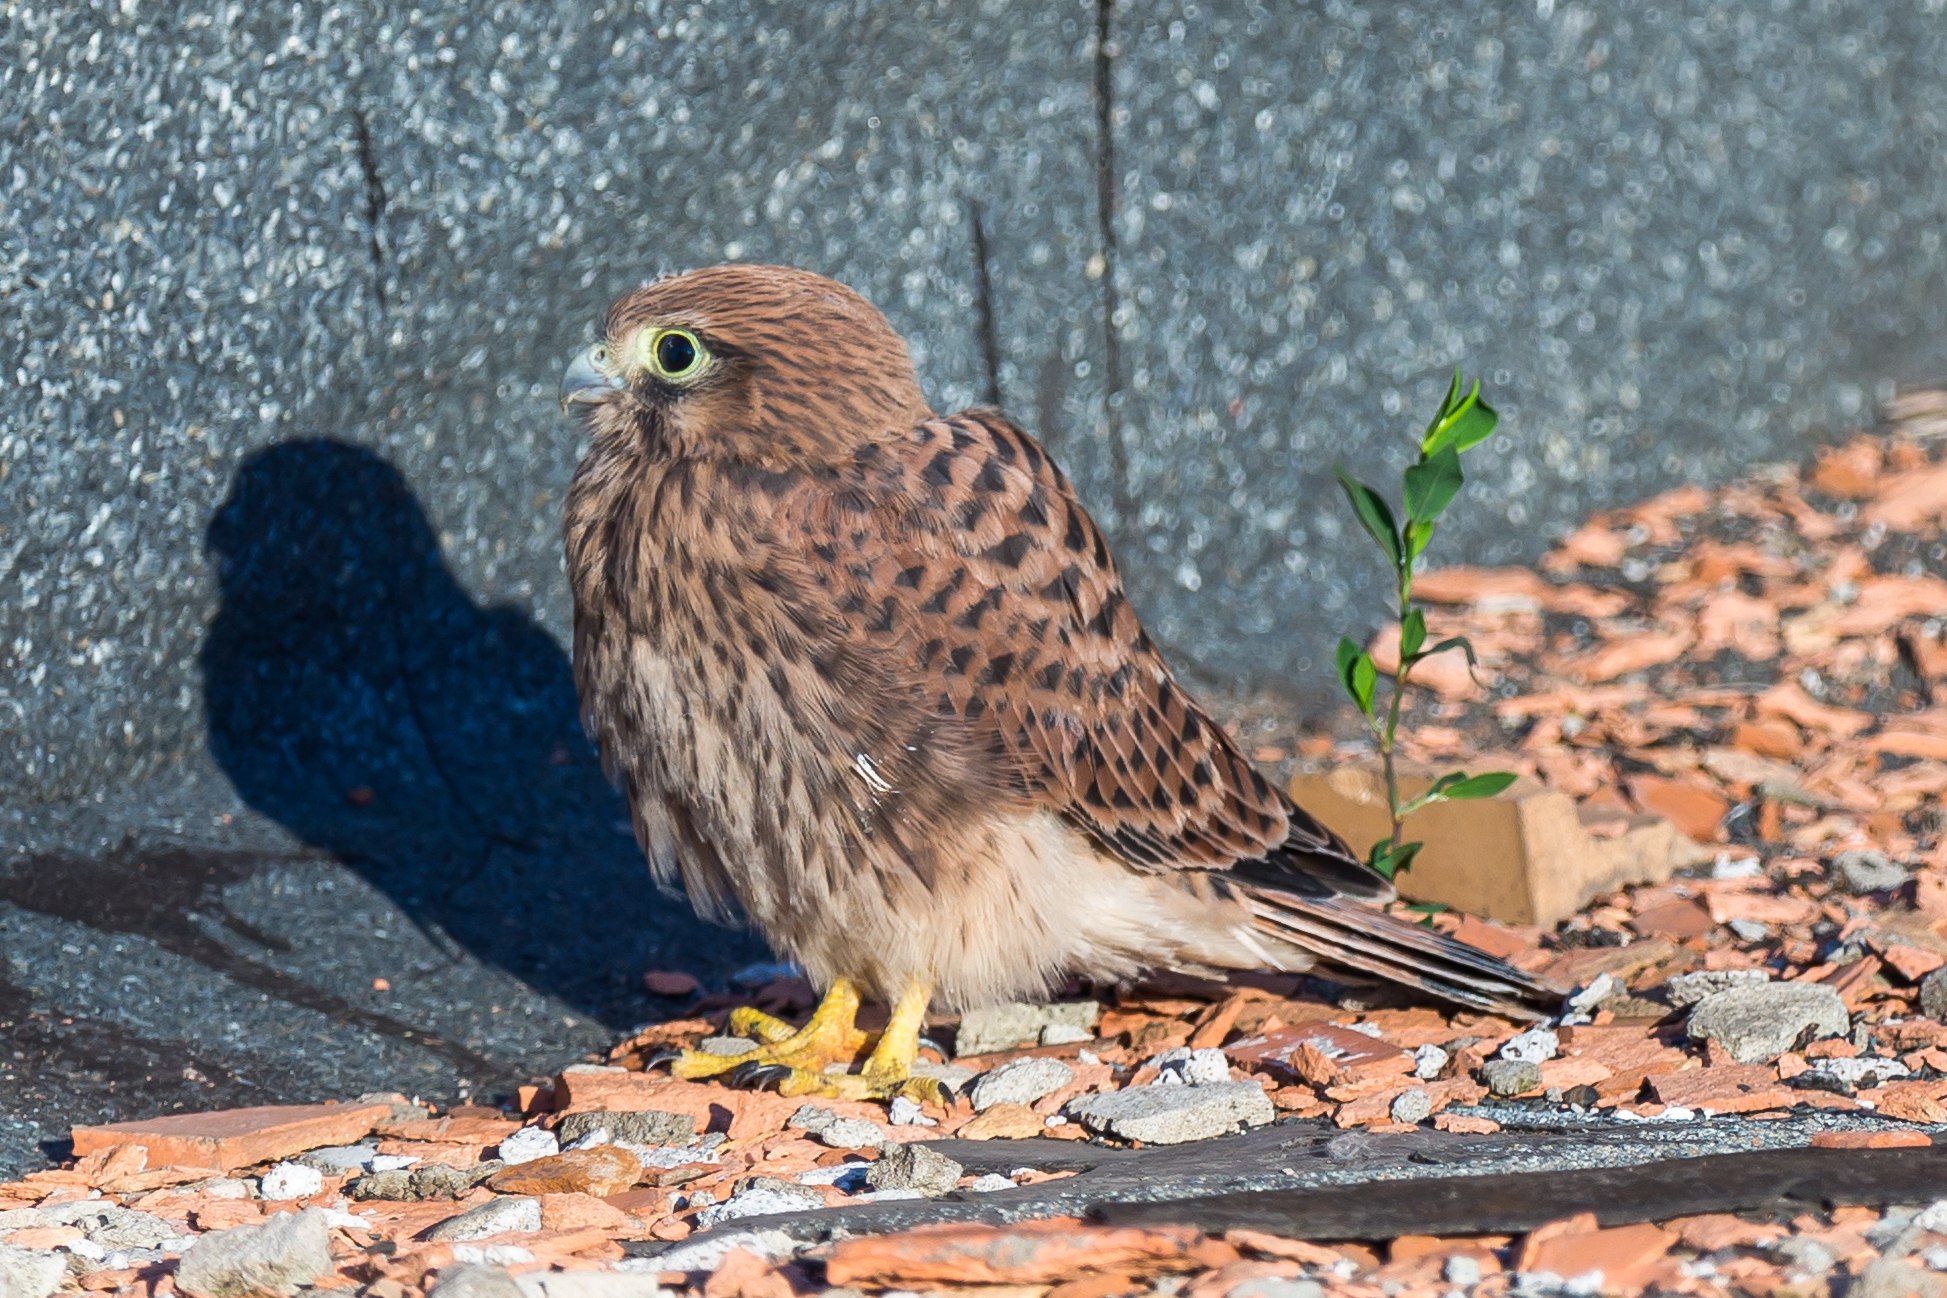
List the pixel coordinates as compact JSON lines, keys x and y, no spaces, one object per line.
{"x":1354,"y":935}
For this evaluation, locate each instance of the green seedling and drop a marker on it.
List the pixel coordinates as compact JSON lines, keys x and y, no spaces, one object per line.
{"x":1428,"y":487}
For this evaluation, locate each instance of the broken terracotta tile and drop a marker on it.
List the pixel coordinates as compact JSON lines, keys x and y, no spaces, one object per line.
{"x":1038,"y":1252}
{"x":1870,"y":1139}
{"x":232,"y":1138}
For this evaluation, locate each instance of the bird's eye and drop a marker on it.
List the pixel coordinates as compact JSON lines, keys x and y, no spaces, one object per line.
{"x":675,"y":354}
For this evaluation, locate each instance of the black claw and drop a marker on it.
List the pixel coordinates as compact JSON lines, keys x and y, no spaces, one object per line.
{"x":758,"y":1077}
{"x":661,"y":1059}
{"x":948,"y":1096}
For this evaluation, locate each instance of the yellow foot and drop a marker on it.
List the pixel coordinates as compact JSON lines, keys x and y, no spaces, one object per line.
{"x":831,"y":1037}
{"x":863,"y":1085}
{"x":817,"y":1058}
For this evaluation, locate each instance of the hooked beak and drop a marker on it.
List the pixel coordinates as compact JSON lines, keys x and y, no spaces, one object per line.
{"x":589,"y":378}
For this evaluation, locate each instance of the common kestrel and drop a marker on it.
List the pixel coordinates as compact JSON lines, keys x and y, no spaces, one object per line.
{"x":868,"y":678}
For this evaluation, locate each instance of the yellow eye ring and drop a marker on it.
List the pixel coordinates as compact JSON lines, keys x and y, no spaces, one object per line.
{"x":675,"y":355}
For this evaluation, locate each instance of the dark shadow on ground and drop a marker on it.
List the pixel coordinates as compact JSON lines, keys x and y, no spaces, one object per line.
{"x":358,"y":696}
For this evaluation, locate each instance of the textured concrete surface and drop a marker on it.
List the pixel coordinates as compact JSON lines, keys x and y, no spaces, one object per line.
{"x":285,"y":292}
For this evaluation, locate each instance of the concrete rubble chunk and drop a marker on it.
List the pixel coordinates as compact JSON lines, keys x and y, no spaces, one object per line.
{"x":474,"y":1280}
{"x":1277,"y":1287}
{"x":335,"y":1160}
{"x":1757,"y":1022}
{"x":637,"y":1127}
{"x":279,"y":1256}
{"x":761,"y":1196}
{"x":1412,"y":1106}
{"x":1173,"y":1115}
{"x":515,"y":1215}
{"x":1021,"y":1081}
{"x":110,"y":1226}
{"x":589,"y":1284}
{"x":1688,"y":988}
{"x":1865,"y":871}
{"x":431,"y":1181}
{"x":914,"y":1167}
{"x":1509,"y":1077}
{"x":30,"y":1272}
{"x":706,"y":1253}
{"x":828,"y":1129}
{"x":1933,"y":994}
{"x":997,"y":1027}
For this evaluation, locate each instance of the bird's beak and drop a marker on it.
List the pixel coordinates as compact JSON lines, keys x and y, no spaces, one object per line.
{"x":589,"y":378}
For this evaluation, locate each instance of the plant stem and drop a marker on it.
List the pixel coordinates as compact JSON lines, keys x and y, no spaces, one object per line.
{"x":1400,"y":669}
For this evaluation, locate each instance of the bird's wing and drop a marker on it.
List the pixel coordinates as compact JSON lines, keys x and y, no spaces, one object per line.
{"x":982,"y":569}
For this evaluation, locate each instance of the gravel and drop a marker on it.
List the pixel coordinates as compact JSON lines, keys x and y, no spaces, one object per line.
{"x":1757,"y":1022}
{"x":1172,"y":1115}
{"x":1428,"y":1061}
{"x":914,"y":1167}
{"x":998,"y":1027}
{"x":630,"y":1127}
{"x":285,"y":1252}
{"x":512,"y":1214}
{"x":1021,"y":1081}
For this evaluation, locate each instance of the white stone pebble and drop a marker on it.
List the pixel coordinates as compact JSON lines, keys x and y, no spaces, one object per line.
{"x":1536,"y":1045}
{"x":528,"y":1144}
{"x":288,"y":1181}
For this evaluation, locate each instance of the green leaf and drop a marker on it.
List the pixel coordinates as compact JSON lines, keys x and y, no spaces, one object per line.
{"x":1412,"y":634}
{"x":1418,"y":533}
{"x":1448,"y":404}
{"x":1374,"y":515}
{"x":1386,"y":862}
{"x":1437,"y":792}
{"x":1431,"y":485}
{"x":1485,"y":785}
{"x":1357,"y":674}
{"x":1459,"y":642}
{"x":1463,"y":421}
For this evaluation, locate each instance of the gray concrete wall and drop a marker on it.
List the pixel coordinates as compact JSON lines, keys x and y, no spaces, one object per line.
{"x":1675,"y":239}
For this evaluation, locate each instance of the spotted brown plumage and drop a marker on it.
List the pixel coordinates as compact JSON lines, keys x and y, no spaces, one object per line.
{"x":869,"y":679}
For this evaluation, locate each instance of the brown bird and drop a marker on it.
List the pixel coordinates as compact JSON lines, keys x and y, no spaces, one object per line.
{"x":868,"y":678}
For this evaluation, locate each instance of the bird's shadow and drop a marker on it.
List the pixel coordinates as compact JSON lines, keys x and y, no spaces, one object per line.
{"x":359,"y":696}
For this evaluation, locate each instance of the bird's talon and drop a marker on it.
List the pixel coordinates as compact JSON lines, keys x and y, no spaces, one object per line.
{"x":759,"y":1076}
{"x":664,"y":1058}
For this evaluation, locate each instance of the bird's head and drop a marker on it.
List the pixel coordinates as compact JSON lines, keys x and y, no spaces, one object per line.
{"x":760,"y":363}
